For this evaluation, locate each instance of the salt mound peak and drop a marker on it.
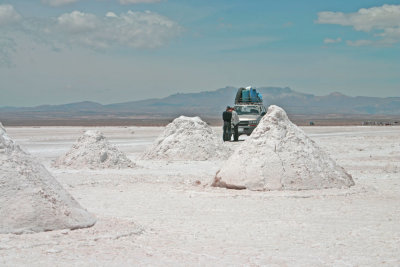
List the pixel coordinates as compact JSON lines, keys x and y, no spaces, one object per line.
{"x":31,"y":200}
{"x":187,"y":138}
{"x":92,"y":150}
{"x":278,"y":156}
{"x":6,"y":143}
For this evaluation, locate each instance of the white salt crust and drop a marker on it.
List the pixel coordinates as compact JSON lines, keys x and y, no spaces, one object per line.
{"x":31,"y":200}
{"x":187,"y":138}
{"x":279,"y":156}
{"x":93,"y":151}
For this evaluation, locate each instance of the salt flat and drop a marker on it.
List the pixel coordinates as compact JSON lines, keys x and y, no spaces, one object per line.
{"x":165,"y":213}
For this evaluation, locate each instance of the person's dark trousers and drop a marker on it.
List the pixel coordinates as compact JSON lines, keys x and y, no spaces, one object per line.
{"x":236,"y":132}
{"x":227,"y":131}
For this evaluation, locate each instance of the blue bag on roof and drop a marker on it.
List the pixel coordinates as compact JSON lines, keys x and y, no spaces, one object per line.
{"x":253,"y":95}
{"x":259,"y":97}
{"x":246,"y":96}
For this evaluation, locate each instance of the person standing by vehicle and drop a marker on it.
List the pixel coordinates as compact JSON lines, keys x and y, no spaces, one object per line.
{"x":235,"y":124}
{"x":227,"y":117}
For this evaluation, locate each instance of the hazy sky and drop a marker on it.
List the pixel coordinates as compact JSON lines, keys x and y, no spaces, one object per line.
{"x":60,"y":51}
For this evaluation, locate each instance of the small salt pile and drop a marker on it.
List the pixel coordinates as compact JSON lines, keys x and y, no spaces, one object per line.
{"x":92,"y":150}
{"x":279,"y":156}
{"x":31,"y":200}
{"x":187,"y":138}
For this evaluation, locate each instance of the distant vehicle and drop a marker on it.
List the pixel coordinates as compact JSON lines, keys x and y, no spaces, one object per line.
{"x":250,"y":109}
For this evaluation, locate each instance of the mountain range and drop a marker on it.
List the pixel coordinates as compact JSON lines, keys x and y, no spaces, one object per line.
{"x":212,"y":103}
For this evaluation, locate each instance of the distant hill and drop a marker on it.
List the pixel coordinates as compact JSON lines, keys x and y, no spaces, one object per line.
{"x":212,"y":103}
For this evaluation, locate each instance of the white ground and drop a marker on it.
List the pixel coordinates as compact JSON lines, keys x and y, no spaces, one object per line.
{"x":159,"y":214}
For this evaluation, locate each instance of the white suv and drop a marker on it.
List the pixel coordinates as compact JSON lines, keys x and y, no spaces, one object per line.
{"x":249,"y":116}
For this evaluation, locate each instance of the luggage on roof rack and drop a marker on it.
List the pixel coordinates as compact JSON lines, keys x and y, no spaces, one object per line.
{"x":253,"y":95}
{"x":248,"y":95}
{"x":238,"y":97}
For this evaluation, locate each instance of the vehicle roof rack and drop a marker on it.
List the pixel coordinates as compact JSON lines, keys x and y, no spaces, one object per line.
{"x":249,"y":103}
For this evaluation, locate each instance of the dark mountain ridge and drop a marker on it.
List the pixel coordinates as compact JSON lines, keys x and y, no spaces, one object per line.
{"x":211,"y":103}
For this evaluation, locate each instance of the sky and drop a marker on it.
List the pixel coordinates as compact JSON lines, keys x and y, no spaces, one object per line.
{"x":110,"y":51}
